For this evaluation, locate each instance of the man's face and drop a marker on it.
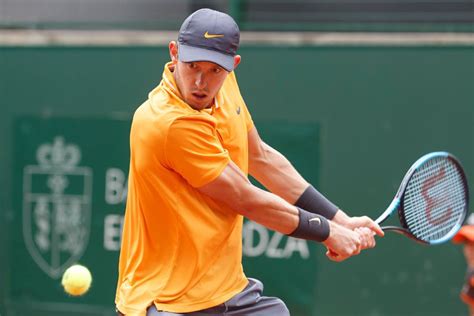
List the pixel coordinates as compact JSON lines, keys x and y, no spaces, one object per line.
{"x":199,"y":82}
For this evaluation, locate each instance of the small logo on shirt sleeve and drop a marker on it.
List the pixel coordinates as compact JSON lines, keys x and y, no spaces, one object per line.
{"x":238,"y":110}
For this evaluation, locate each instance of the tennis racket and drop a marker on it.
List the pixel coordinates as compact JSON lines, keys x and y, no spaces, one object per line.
{"x":432,"y":200}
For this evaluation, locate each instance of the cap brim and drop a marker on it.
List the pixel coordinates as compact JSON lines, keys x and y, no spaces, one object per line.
{"x":466,"y":233}
{"x":190,"y":53}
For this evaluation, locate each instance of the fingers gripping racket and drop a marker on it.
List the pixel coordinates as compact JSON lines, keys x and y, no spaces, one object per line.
{"x":432,"y":200}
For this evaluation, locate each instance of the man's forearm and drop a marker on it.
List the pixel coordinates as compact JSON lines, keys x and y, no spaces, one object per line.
{"x":275,"y":213}
{"x":267,"y":209}
{"x":313,"y":201}
{"x":277,"y":174}
{"x":341,"y":217}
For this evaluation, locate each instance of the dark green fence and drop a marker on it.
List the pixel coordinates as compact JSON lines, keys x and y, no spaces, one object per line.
{"x":251,"y":15}
{"x":352,"y":119}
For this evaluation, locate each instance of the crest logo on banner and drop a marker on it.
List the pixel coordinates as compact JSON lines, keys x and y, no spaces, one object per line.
{"x":57,"y":195}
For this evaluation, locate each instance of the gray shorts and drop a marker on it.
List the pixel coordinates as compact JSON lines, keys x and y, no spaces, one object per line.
{"x":248,"y":302}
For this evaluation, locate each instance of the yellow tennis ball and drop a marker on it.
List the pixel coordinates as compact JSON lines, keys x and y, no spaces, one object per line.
{"x":76,"y":280}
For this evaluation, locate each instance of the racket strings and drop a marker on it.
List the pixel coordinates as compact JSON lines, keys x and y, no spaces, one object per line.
{"x":427,"y":232}
{"x":457,"y":191}
{"x":430,"y":219}
{"x":437,"y":213}
{"x":441,"y":212}
{"x":434,"y":199}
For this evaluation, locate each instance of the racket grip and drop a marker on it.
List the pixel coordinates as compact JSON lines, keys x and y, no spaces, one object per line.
{"x":392,"y":228}
{"x":402,"y":231}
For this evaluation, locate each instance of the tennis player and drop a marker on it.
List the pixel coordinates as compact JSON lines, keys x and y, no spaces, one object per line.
{"x":465,"y":236}
{"x":193,"y":143}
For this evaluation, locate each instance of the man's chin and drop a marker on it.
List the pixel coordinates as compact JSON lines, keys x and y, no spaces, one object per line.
{"x":199,"y":105}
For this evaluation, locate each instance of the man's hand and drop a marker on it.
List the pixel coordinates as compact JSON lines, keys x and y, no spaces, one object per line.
{"x":370,"y":228}
{"x":355,"y":222}
{"x":363,"y":221}
{"x":367,"y":239}
{"x":367,"y":230}
{"x":342,"y":242}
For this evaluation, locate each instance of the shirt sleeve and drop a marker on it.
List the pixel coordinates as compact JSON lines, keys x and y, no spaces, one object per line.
{"x":248,"y":118}
{"x":194,"y":151}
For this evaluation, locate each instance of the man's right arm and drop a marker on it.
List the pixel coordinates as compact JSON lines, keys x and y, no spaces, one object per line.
{"x":192,"y":149}
{"x":233,"y":188}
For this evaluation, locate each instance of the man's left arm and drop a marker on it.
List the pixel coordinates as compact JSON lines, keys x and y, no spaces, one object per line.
{"x":278,"y":175}
{"x":273,"y":170}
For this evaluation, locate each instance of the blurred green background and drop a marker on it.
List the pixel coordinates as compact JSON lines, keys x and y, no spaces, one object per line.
{"x":352,"y":120}
{"x":352,"y":111}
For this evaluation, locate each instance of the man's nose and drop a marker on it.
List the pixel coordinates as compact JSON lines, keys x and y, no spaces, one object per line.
{"x":199,"y":81}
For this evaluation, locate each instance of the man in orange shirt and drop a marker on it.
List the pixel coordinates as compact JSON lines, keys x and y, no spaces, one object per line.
{"x":193,"y":144}
{"x":465,"y":236}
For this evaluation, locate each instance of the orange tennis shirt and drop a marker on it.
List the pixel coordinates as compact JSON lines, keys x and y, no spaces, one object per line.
{"x":181,"y":250}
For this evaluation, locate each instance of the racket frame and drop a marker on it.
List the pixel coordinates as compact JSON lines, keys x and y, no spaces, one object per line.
{"x":397,"y":202}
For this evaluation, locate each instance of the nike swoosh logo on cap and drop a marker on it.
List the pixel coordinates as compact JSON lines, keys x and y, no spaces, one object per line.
{"x":207,"y":35}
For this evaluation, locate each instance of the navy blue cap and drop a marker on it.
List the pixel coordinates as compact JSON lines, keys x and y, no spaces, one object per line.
{"x":209,"y":35}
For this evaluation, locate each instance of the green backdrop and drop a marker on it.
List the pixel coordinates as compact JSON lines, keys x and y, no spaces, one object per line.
{"x":352,"y":119}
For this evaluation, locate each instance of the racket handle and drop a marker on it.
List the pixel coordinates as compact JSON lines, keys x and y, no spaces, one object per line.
{"x":402,"y":231}
{"x":393,"y":228}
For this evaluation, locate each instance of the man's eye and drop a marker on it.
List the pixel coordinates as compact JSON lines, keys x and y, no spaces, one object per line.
{"x":217,"y":70}
{"x":192,"y":65}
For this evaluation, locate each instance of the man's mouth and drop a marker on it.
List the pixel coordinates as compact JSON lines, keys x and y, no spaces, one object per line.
{"x":199,"y":95}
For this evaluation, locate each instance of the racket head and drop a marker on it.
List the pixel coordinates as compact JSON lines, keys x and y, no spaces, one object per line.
{"x":434,"y":198}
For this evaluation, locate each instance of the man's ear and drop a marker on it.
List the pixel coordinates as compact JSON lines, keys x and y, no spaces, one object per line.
{"x":173,"y":48}
{"x":237,"y":59}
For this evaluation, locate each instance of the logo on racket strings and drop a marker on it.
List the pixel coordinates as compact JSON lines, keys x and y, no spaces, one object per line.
{"x":435,"y":201}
